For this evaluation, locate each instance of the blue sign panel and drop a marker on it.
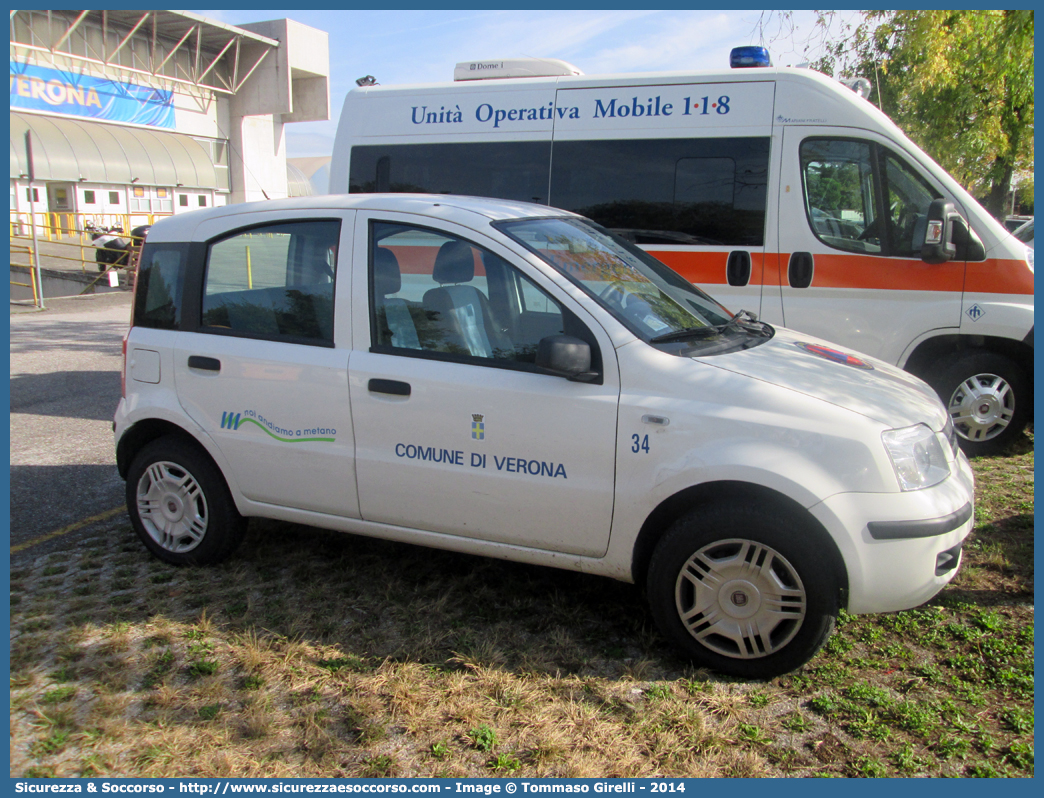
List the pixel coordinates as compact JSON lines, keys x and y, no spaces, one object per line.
{"x":41,"y":89}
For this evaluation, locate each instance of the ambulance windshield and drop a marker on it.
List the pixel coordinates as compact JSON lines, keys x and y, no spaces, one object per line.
{"x":647,"y":297}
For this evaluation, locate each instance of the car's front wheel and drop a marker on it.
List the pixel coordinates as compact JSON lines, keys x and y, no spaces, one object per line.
{"x":743,"y":590}
{"x":179,"y":504}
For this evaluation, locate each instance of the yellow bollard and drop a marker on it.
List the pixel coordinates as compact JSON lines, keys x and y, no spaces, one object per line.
{"x":250,"y":276}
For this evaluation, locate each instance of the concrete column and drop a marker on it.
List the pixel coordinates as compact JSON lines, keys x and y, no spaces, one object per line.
{"x":257,"y":160}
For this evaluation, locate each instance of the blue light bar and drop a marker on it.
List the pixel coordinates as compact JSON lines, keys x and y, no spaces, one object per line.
{"x":751,"y":56}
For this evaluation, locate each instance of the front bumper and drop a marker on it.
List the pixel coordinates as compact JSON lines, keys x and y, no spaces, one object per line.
{"x":900,"y":549}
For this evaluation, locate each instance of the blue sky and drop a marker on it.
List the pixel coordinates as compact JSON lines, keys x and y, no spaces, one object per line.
{"x":423,"y":46}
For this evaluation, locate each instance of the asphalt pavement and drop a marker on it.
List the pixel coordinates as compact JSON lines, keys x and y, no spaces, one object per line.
{"x":65,"y":385}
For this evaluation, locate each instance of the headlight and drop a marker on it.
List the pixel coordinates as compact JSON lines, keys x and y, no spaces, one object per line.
{"x":917,"y":456}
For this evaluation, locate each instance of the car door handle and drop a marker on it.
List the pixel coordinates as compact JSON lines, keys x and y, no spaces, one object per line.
{"x":800,"y":270}
{"x":205,"y":363}
{"x":394,"y":387}
{"x":737,"y":270}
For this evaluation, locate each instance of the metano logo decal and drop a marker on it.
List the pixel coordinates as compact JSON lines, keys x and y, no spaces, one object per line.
{"x":834,"y":355}
{"x":231,"y":420}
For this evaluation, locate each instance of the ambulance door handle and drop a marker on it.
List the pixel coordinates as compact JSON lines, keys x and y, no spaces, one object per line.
{"x":800,"y":271}
{"x":393,"y":387}
{"x":737,"y":270}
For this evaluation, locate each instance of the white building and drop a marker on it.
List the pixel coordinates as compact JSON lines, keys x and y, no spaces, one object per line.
{"x":157,"y":112}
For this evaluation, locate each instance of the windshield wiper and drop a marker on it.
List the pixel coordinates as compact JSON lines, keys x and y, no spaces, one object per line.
{"x":744,"y":320}
{"x":750,"y":323}
{"x":687,"y":332}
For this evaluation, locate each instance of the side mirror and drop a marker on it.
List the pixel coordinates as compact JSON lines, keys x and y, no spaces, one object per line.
{"x":938,"y":246}
{"x":969,"y":245}
{"x":567,"y":357}
{"x":948,"y":236}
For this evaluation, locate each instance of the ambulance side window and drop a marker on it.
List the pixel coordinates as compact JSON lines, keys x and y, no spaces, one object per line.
{"x":691,"y":191}
{"x":908,"y":197}
{"x":861,"y":197}
{"x":841,"y":194}
{"x":441,"y":297}
{"x":274,"y":281}
{"x":515,"y":170}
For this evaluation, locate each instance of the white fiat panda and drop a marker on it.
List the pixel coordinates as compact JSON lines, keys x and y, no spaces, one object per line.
{"x":509,"y":380}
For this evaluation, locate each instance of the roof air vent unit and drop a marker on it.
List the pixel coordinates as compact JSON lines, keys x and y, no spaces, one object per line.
{"x":513,"y":68}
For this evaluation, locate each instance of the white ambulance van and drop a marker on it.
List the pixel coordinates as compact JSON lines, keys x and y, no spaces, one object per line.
{"x":778,"y":190}
{"x":510,"y":380}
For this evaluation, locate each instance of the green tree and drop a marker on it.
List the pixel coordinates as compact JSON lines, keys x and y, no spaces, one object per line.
{"x":959,"y":83}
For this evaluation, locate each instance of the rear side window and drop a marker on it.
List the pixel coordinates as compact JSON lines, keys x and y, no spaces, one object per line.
{"x":516,"y":170}
{"x":667,"y":191}
{"x":160,"y":285}
{"x":275,"y":281}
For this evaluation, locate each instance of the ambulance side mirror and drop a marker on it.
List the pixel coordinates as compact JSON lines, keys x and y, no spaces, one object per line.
{"x":567,"y":357}
{"x":938,"y":246}
{"x":948,"y":236}
{"x":969,"y":245}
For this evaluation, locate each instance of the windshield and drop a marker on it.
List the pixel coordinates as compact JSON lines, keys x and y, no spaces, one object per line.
{"x":647,"y":297}
{"x":1025,"y":233}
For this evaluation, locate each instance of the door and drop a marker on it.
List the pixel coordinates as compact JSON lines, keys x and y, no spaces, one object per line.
{"x":852,"y":218}
{"x":264,"y":372}
{"x":457,"y":431}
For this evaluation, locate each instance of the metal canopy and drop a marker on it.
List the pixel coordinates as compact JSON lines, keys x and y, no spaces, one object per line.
{"x":71,"y":150}
{"x":297,"y":183}
{"x":220,"y":57}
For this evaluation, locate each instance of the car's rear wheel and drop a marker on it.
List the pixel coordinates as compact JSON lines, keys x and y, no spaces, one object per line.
{"x":180,"y":505}
{"x":743,"y":590}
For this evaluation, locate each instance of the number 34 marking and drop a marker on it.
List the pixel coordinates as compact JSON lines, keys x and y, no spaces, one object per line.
{"x":640,"y":443}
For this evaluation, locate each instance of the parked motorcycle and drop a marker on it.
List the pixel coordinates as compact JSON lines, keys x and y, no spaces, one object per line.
{"x":112,"y":248}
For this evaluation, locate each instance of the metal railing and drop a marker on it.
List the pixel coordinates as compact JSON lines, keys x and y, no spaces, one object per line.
{"x":21,"y":249}
{"x":54,"y":225}
{"x":64,"y":244}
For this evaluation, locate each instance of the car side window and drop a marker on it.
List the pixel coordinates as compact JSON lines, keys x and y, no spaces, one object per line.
{"x":161,"y":275}
{"x":274,"y":281}
{"x":433,"y":294}
{"x":841,"y":194}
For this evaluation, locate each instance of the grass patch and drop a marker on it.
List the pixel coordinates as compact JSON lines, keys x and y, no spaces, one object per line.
{"x":483,"y":738}
{"x":58,"y":694}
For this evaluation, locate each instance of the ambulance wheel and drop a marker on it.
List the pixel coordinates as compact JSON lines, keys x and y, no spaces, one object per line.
{"x":987,"y":396}
{"x":743,"y":590}
{"x":180,"y":505}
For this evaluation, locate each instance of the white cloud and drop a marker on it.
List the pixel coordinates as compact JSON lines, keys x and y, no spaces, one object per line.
{"x":678,"y":42}
{"x":307,"y":139}
{"x":541,"y":33}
